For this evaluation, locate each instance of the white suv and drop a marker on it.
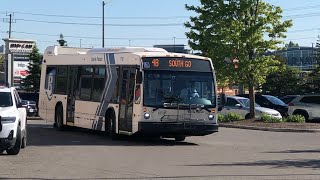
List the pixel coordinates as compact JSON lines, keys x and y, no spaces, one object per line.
{"x":13,"y":121}
{"x":306,"y":105}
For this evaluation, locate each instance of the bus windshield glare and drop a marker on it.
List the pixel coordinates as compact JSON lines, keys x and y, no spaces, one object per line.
{"x":181,"y":87}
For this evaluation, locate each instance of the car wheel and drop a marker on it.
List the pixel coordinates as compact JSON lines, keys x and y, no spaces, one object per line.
{"x":304,"y":114}
{"x":17,"y":146}
{"x":24,"y":140}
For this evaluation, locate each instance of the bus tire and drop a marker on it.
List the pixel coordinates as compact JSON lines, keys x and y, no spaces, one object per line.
{"x":179,"y":138}
{"x":110,"y":125}
{"x":17,"y":146}
{"x":59,"y":118}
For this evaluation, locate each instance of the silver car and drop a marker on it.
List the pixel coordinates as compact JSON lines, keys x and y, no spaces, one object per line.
{"x":241,"y":106}
{"x":306,"y":105}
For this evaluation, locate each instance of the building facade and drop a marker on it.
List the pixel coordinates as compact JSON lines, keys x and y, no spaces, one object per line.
{"x":302,"y":58}
{"x":176,"y":48}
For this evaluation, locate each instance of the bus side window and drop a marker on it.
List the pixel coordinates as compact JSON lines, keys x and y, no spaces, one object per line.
{"x":98,"y":83}
{"x":50,"y":78}
{"x":86,"y":83}
{"x":61,"y":79}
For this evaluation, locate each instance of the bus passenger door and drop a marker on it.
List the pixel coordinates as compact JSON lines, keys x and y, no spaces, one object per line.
{"x":127,"y":79}
{"x":72,"y":85}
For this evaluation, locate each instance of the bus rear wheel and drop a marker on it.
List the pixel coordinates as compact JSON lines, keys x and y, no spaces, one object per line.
{"x":110,"y":125}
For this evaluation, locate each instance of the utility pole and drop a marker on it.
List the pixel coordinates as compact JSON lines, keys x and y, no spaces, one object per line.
{"x":9,"y":20}
{"x":80,"y":43}
{"x":174,"y":44}
{"x":103,"y":23}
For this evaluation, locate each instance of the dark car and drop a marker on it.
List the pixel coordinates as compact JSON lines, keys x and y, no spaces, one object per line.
{"x":288,"y":98}
{"x":269,"y":101}
{"x":31,"y":102}
{"x":31,"y":107}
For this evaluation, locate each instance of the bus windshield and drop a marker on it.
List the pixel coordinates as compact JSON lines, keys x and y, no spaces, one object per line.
{"x":179,"y":87}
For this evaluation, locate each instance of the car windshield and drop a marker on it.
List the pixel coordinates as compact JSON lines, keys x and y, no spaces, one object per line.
{"x":275,"y":100}
{"x":179,"y":87}
{"x":5,"y":99}
{"x":288,"y":99}
{"x":246,"y":102}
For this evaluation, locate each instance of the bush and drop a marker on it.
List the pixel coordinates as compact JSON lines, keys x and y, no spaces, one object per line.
{"x":230,"y":117}
{"x":269,"y":119}
{"x":295,"y":119}
{"x":221,"y":118}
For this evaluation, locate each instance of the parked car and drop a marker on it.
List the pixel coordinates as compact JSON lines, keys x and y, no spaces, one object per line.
{"x":288,"y":98}
{"x":241,"y":106}
{"x":271,"y":102}
{"x":306,"y":105}
{"x":31,"y":102}
{"x":13,"y":121}
{"x":31,"y":107}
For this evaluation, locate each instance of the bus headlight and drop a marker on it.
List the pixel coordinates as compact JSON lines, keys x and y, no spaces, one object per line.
{"x":211,"y":116}
{"x":146,"y":115}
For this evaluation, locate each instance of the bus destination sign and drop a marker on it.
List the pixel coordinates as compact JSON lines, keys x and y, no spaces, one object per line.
{"x":178,"y":64}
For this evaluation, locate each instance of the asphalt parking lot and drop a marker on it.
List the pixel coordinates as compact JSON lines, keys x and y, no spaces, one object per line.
{"x":229,"y":154}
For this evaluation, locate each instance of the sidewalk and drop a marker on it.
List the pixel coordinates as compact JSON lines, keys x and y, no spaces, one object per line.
{"x":253,"y":124}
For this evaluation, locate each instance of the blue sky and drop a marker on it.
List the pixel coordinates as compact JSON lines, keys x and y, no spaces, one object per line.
{"x":172,"y":13}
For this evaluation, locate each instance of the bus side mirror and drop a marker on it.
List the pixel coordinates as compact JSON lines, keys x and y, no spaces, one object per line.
{"x":139,"y":77}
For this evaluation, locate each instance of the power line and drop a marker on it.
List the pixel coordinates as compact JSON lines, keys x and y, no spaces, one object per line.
{"x":96,"y":17}
{"x":93,"y":37}
{"x":301,"y":7}
{"x":96,"y":24}
{"x":302,"y":15}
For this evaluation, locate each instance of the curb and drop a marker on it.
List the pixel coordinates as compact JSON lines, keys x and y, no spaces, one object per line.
{"x":34,"y":118}
{"x":270,"y":129}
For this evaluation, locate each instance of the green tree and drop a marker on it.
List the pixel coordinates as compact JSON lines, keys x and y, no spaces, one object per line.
{"x":32,"y":81}
{"x":291,"y":44}
{"x":284,"y":82}
{"x":238,"y":29}
{"x":61,"y":41}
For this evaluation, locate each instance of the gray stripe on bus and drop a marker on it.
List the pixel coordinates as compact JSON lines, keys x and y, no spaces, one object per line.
{"x":111,"y":80}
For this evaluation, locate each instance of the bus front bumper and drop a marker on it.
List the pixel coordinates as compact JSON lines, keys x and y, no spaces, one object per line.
{"x":177,"y":128}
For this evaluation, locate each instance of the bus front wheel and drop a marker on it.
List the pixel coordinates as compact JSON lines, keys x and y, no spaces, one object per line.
{"x":59,"y":118}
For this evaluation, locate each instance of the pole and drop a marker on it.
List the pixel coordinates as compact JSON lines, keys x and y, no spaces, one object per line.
{"x":10,"y":21}
{"x":103,"y":23}
{"x":174,"y":44}
{"x":80,"y":43}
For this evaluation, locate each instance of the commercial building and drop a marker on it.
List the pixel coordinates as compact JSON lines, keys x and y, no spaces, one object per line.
{"x":302,"y":58}
{"x":177,"y":48}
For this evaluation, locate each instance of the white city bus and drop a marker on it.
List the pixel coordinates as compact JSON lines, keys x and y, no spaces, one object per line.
{"x":129,"y":91}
